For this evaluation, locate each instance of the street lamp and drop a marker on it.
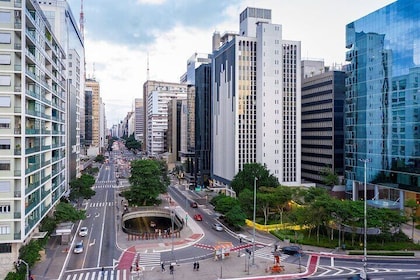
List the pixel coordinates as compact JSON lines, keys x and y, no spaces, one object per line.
{"x":27,"y":267}
{"x":253,"y":219}
{"x":365,"y":161}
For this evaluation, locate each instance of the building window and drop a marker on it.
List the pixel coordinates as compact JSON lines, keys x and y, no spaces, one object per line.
{"x":4,"y":208}
{"x":5,"y":80}
{"x":5,"y":59}
{"x":5,"y":101}
{"x":4,"y":123}
{"x":4,"y":165}
{"x":5,"y":38}
{"x":4,"y":229}
{"x":5,"y":186}
{"x":4,"y":144}
{"x":5,"y":247}
{"x":5,"y":17}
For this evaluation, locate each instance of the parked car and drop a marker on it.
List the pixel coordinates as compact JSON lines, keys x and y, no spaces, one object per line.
{"x":198,"y":217}
{"x":194,"y":204}
{"x":83,"y":231}
{"x":291,"y":250}
{"x":78,"y":248}
{"x":217,"y":227}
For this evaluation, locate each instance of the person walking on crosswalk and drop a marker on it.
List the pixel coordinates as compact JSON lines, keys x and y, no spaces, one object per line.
{"x":162,"y":264}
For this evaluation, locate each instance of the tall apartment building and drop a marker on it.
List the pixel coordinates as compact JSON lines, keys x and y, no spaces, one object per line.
{"x":32,"y":125}
{"x":202,"y":122}
{"x":382,"y":112}
{"x":156,"y":96}
{"x":256,"y":101}
{"x":323,"y":93}
{"x":139,"y":118}
{"x":64,"y":25}
{"x":93,"y":105}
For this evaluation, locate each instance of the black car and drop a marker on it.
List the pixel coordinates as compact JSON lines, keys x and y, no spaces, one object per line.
{"x":291,"y":250}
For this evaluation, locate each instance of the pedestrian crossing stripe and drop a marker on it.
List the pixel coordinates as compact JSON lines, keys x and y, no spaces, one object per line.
{"x":149,"y":259}
{"x":98,"y":275}
{"x":267,"y":253}
{"x":101,"y":204}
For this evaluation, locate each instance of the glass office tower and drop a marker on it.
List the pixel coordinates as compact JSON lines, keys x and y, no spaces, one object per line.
{"x":382,"y":111}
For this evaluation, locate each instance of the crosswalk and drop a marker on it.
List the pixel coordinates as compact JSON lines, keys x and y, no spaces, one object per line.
{"x":267,"y":253}
{"x":149,"y":259}
{"x":101,"y":204}
{"x":105,"y":185}
{"x":99,"y":275}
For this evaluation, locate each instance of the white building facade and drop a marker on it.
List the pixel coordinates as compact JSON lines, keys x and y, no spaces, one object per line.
{"x":256,"y":101}
{"x":32,"y":125}
{"x":156,"y":96}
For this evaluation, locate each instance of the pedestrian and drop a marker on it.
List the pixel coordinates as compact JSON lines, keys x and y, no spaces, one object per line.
{"x":103,"y":270}
{"x":162,"y":264}
{"x":171,"y":269}
{"x":197,"y":266}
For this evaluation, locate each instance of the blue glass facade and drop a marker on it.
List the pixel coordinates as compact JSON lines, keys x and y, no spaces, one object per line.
{"x":382,"y":111}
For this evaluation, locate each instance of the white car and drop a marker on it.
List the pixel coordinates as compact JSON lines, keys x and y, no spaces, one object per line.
{"x":83,"y":231}
{"x":78,"y":249}
{"x":217,"y":227}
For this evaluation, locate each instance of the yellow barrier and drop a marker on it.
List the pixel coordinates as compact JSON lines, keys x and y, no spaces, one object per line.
{"x":268,"y":228}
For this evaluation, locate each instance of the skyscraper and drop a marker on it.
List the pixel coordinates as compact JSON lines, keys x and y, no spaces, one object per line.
{"x":256,"y":100}
{"x":33,"y":105}
{"x":323,"y":95}
{"x":156,"y":96}
{"x":382,"y":112}
{"x":63,"y":23}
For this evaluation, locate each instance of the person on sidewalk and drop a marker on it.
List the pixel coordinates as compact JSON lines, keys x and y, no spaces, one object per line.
{"x":171,"y":269}
{"x":162,"y":264}
{"x":197,"y":266}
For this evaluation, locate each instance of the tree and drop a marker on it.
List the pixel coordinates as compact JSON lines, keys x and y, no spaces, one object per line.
{"x":100,"y":158}
{"x":246,"y":201}
{"x":146,"y":182}
{"x":82,"y":187}
{"x":283,"y":195}
{"x":329,"y":177}
{"x":244,"y":179}
{"x":132,"y":144}
{"x":65,"y":212}
{"x":412,"y":205}
{"x":225,"y":203}
{"x":235,"y":216}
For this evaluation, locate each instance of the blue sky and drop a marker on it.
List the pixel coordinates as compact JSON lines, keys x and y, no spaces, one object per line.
{"x":120,"y":35}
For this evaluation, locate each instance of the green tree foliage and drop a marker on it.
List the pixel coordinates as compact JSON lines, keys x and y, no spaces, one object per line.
{"x":412,"y":206}
{"x":100,"y":158}
{"x":82,"y":187}
{"x":225,"y":203}
{"x":146,"y":181}
{"x":283,"y":195}
{"x":65,"y":212}
{"x":244,"y":179}
{"x":132,"y":144}
{"x":329,"y":177}
{"x":246,"y":201}
{"x":30,"y":253}
{"x":235,"y":216}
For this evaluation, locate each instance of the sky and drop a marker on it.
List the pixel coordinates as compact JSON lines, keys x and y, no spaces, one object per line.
{"x":124,"y":38}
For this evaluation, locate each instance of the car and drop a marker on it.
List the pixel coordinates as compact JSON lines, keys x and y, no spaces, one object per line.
{"x":217,"y":227}
{"x":194,"y":204}
{"x":78,"y":248}
{"x":291,"y":250}
{"x":83,"y":231}
{"x":198,"y":217}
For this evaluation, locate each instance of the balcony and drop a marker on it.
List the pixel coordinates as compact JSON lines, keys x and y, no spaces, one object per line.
{"x":32,"y":167}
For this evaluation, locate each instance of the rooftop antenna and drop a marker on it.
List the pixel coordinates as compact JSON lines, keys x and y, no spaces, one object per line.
{"x":93,"y":75}
{"x":147,"y":65}
{"x":82,"y":20}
